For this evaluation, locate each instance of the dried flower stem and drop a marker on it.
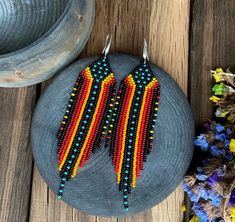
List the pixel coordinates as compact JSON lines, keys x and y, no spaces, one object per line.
{"x":223,"y":73}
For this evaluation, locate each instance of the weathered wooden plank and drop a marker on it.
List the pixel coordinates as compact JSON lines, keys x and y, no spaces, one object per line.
{"x":106,"y":219}
{"x":170,"y":209}
{"x":169,"y":42}
{"x":165,"y":25}
{"x":212,"y":44}
{"x":45,"y":206}
{"x":15,"y":154}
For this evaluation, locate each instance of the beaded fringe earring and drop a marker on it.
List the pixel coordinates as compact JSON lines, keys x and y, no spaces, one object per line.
{"x":86,"y":119}
{"x":135,"y":114}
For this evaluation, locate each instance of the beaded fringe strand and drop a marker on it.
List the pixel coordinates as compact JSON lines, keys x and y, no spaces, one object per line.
{"x":86,"y":119}
{"x":135,"y":114}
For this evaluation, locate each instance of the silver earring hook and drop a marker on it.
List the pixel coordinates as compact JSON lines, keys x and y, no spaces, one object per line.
{"x":145,"y":51}
{"x":107,"y":45}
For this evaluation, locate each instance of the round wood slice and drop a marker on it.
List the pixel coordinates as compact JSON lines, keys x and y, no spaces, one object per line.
{"x":39,"y":38}
{"x":94,"y":189}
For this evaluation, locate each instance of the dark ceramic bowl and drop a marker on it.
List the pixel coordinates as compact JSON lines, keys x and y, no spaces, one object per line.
{"x":38,"y":38}
{"x":94,"y":189}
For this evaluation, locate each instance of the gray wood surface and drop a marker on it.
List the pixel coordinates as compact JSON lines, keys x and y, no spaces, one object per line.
{"x":15,"y":154}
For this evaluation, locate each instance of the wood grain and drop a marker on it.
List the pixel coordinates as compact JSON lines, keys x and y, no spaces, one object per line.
{"x":165,"y":25}
{"x":212,"y":45}
{"x":169,"y":38}
{"x":15,"y":154}
{"x":168,"y":48}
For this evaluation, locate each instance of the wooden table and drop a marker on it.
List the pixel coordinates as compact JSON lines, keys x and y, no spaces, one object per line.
{"x":186,"y":38}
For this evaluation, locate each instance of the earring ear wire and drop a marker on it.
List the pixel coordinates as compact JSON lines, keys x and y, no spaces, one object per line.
{"x":107,"y":45}
{"x":145,"y":51}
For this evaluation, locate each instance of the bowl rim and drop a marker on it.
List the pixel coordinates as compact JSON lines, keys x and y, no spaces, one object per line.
{"x":27,"y":59}
{"x":47,"y":33}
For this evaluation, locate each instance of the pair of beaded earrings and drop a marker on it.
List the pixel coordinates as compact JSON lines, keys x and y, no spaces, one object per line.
{"x":123,"y":120}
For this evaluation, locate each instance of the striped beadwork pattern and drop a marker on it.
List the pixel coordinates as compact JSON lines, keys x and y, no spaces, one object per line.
{"x":134,"y":120}
{"x":86,"y":120}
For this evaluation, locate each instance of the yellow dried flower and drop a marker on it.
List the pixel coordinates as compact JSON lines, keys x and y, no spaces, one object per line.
{"x":232,"y":145}
{"x":183,"y":208}
{"x":218,"y":74}
{"x":231,"y":118}
{"x":215,"y":99}
{"x":194,"y":219}
{"x":233,"y":214}
{"x":223,"y":114}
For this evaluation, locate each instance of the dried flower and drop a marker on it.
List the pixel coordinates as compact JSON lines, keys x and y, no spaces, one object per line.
{"x":232,"y":198}
{"x":209,"y":186}
{"x":232,"y":145}
{"x":215,"y":99}
{"x":220,"y":89}
{"x":183,"y":208}
{"x":194,"y":219}
{"x":217,"y":74}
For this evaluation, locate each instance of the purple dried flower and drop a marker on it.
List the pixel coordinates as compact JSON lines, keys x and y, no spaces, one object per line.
{"x":232,"y":198}
{"x":215,"y":198}
{"x":221,"y":171}
{"x":228,"y":156}
{"x":213,"y":179}
{"x":220,"y":137}
{"x":215,"y":151}
{"x":200,"y":212}
{"x":192,"y":196}
{"x":202,"y":142}
{"x":226,"y":143}
{"x":219,"y":128}
{"x":203,"y":193}
{"x":185,"y":187}
{"x":228,"y":131}
{"x":201,"y":176}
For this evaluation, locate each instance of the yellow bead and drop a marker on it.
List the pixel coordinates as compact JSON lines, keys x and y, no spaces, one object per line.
{"x":73,"y":94}
{"x":66,"y":117}
{"x":111,"y":125}
{"x":74,"y":89}
{"x":63,"y":122}
{"x":151,"y":131}
{"x":105,"y":127}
